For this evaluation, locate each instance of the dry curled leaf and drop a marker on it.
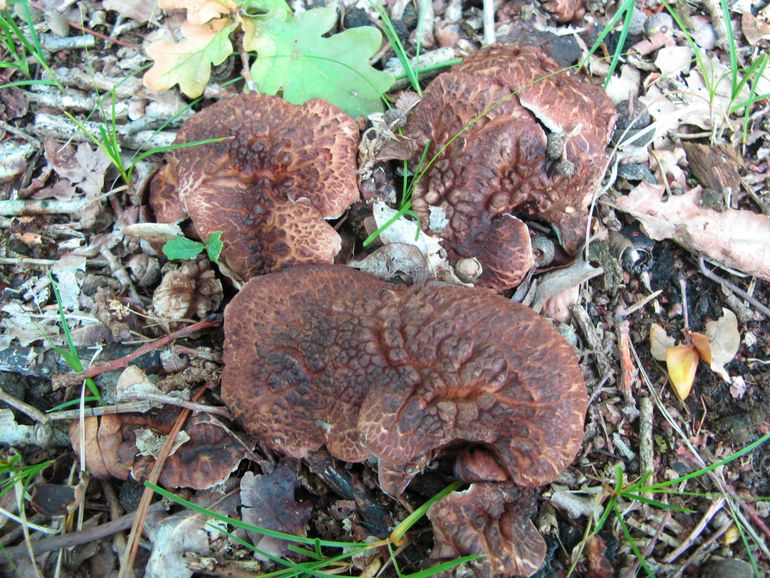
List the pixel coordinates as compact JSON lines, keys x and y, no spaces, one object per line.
{"x":682,"y":363}
{"x":725,"y":339}
{"x":702,"y":345}
{"x":268,"y":502}
{"x":736,"y":238}
{"x":660,"y":342}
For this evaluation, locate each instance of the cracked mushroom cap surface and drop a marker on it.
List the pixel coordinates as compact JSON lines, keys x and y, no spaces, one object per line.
{"x":280,"y":171}
{"x":539,"y":153}
{"x":492,"y":520}
{"x":326,"y":355}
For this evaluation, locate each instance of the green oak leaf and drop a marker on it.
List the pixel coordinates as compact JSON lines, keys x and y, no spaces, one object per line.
{"x":295,"y":59}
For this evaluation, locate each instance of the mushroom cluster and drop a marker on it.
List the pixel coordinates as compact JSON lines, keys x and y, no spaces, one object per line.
{"x":322,"y":355}
{"x":511,"y":133}
{"x":279,"y":171}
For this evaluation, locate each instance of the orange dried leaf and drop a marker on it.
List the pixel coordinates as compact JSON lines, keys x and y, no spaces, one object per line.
{"x":660,"y":342}
{"x":703,"y":346}
{"x":682,"y":363}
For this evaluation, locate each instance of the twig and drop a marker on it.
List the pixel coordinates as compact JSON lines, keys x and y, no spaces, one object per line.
{"x":627,"y":372}
{"x":30,"y":262}
{"x":23,"y":407}
{"x":488,"y":7}
{"x":732,"y":287}
{"x":44,"y":207}
{"x":76,"y":538}
{"x":646,"y":461}
{"x":696,"y":531}
{"x":116,"y":511}
{"x":683,"y":290}
{"x":592,"y":339}
{"x":52,"y":43}
{"x":117,"y":269}
{"x":20,"y":133}
{"x":68,"y":380}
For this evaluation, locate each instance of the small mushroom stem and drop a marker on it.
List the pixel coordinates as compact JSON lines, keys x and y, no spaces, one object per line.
{"x":489,"y":21}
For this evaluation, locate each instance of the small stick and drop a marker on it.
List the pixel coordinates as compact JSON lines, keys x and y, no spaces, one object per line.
{"x":68,"y":380}
{"x":20,"y":133}
{"x":82,"y":28}
{"x":76,"y":538}
{"x":683,"y":289}
{"x":23,"y":407}
{"x":627,"y":370}
{"x":732,"y":287}
{"x":646,"y":463}
{"x":121,"y":274}
{"x":488,"y":7}
{"x":696,"y":531}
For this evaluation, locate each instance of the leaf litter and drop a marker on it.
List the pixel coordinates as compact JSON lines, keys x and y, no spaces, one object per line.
{"x":94,"y":255}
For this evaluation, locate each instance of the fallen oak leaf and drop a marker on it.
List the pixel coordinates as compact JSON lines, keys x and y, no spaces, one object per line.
{"x":188,"y":63}
{"x":736,"y":238}
{"x":682,"y":363}
{"x":296,"y":60}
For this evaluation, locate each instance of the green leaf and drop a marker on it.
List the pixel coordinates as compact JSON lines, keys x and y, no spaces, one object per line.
{"x":293,"y":58}
{"x":182,"y":248}
{"x":214,"y":246}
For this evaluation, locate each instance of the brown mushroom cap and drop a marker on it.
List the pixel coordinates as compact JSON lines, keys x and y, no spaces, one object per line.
{"x":500,"y":163}
{"x":281,"y":171}
{"x":491,"y":520}
{"x":326,"y":355}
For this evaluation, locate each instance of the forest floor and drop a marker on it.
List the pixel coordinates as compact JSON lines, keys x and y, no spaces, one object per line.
{"x":672,"y":480}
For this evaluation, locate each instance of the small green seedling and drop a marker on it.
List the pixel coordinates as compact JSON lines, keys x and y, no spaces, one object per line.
{"x":183,"y":249}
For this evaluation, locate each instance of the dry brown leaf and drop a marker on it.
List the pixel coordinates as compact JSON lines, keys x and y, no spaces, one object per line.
{"x":703,"y":346}
{"x":682,"y":363}
{"x":660,"y":342}
{"x":754,"y":29}
{"x":725,"y":339}
{"x":736,"y":238}
{"x":268,"y":502}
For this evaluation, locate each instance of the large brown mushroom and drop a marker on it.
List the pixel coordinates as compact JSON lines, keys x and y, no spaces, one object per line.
{"x":513,"y":134}
{"x":326,"y":355}
{"x":323,"y":355}
{"x":269,"y":186}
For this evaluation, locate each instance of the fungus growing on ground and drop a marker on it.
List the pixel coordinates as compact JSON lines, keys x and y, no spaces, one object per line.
{"x":269,"y":186}
{"x":491,"y":520}
{"x":533,"y":144}
{"x":329,"y":356}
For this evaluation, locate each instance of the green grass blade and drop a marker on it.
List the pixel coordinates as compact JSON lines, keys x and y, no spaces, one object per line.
{"x":726,"y":460}
{"x":631,"y":542}
{"x":395,"y":42}
{"x":399,"y":531}
{"x":73,"y":360}
{"x":244,"y":525}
